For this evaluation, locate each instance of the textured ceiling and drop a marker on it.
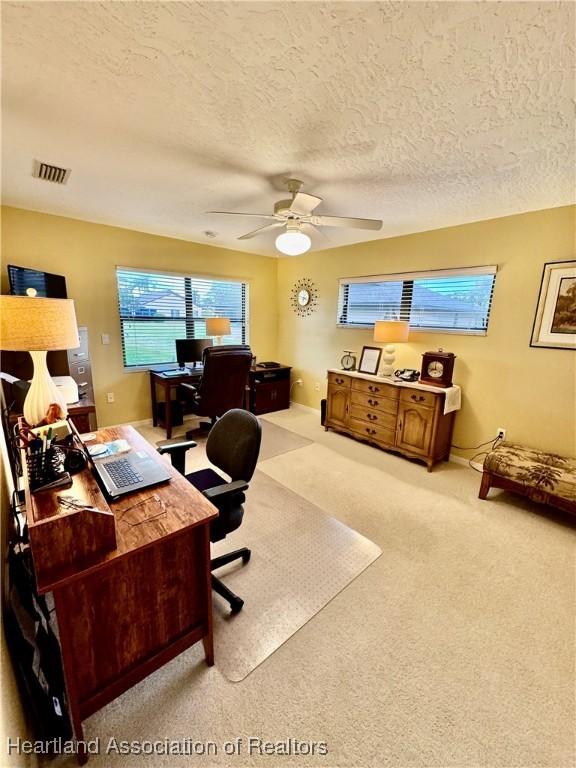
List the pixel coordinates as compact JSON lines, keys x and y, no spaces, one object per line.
{"x":422,"y":114}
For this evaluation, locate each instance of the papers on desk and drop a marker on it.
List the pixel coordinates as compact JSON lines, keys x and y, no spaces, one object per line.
{"x":100,"y":450}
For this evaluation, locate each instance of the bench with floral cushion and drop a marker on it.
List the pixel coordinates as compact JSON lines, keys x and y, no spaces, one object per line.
{"x":544,"y":477}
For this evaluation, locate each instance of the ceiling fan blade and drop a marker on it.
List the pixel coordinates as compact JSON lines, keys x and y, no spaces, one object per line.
{"x":237,"y":213}
{"x":304,"y":204}
{"x":343,"y":221}
{"x":261,"y":229}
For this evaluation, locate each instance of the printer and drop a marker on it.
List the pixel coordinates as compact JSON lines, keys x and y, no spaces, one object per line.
{"x":67,"y":388}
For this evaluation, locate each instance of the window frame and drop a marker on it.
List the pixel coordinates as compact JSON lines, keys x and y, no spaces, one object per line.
{"x":408,"y":279}
{"x":245,"y":287}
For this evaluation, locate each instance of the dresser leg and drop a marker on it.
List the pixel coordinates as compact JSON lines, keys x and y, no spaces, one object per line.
{"x":208,"y":643}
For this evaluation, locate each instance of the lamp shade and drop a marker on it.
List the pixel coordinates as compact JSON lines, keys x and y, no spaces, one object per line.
{"x":217,"y":326}
{"x":35,"y":324}
{"x":391,"y":331}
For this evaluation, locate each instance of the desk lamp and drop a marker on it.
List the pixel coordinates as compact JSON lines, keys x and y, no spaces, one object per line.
{"x":38,"y":325}
{"x":390,"y":332}
{"x":218,"y":327}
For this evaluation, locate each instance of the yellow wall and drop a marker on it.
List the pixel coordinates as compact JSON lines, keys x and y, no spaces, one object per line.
{"x":87,"y":255}
{"x":506,"y":383}
{"x":530,"y":392}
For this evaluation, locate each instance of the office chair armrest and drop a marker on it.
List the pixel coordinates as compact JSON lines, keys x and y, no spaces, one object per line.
{"x":226,"y":489}
{"x":177,"y":448}
{"x":176,"y":444}
{"x":191,"y":387}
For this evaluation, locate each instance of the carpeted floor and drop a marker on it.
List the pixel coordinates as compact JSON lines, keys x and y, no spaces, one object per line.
{"x":454,"y":648}
{"x":301,"y":559}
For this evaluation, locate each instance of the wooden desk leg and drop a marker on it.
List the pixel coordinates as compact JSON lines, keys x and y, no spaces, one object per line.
{"x":153,"y":397}
{"x":168,"y":411}
{"x":68,"y":662}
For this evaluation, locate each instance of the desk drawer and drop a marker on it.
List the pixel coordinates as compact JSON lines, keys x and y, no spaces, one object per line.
{"x":376,"y":387}
{"x":419,"y":397}
{"x":370,"y":416}
{"x":372,"y":431}
{"x":339,"y":380}
{"x":375,"y":403}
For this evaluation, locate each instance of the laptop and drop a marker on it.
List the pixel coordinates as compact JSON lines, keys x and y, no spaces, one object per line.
{"x":197,"y":368}
{"x":125,"y":473}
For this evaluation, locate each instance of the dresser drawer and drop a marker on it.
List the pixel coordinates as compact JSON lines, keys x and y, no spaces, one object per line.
{"x":375,"y":402}
{"x":376,"y":387}
{"x":419,"y":397}
{"x":339,"y":380}
{"x":372,"y":431}
{"x":370,"y":416}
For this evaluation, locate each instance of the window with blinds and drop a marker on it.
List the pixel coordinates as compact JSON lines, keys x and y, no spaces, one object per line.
{"x":445,"y":301}
{"x":157,"y":308}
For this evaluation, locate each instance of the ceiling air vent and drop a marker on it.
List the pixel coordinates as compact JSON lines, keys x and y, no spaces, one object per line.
{"x":49,"y":172}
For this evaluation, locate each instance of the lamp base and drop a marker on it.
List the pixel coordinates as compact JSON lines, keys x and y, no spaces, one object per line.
{"x":387,"y":369}
{"x":42,"y":393}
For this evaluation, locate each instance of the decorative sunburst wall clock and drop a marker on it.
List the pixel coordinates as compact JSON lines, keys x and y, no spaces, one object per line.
{"x":304,"y":297}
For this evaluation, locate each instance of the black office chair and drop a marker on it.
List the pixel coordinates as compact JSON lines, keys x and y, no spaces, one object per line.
{"x":223,"y":384}
{"x":233,"y":446}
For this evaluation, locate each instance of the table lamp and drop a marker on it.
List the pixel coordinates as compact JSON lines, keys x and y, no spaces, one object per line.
{"x":218,"y":327}
{"x":390,"y":332}
{"x":37,"y":326}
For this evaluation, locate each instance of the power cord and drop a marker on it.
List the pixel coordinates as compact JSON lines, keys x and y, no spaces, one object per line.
{"x":494,"y":441}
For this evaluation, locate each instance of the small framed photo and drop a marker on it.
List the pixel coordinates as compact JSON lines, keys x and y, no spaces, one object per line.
{"x":555,"y":321}
{"x":370,"y":360}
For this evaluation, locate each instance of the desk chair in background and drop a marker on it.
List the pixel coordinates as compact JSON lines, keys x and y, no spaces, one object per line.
{"x":223,"y":384}
{"x":233,"y":446}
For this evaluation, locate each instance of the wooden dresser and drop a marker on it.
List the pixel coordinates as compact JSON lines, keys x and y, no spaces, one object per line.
{"x":394,"y":416}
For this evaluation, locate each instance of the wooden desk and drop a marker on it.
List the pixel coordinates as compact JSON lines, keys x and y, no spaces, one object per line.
{"x":167,"y":384}
{"x":268,"y":389}
{"x":124,"y":612}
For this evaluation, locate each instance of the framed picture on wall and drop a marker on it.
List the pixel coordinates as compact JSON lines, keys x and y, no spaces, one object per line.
{"x":370,"y":360}
{"x":555,"y":320}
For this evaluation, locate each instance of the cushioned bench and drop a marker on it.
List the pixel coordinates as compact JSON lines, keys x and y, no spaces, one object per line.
{"x":544,"y":477}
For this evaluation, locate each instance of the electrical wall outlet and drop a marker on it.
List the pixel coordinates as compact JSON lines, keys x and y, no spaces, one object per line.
{"x":105,"y":338}
{"x":317,"y":386}
{"x":501,"y":433}
{"x":109,"y":397}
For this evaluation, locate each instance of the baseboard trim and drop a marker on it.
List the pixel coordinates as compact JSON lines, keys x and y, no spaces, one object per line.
{"x":465,"y":462}
{"x":301,"y":406}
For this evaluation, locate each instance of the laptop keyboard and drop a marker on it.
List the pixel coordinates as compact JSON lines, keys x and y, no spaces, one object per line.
{"x":122,"y":473}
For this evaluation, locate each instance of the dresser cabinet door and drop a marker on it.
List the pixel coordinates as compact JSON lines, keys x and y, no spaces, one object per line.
{"x":337,"y":406}
{"x":414,"y":430}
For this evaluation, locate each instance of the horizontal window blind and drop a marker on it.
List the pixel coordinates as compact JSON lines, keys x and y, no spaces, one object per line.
{"x":157,"y":308}
{"x":448,"y":300}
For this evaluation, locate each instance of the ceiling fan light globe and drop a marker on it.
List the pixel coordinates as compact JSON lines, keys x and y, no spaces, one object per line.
{"x":293,"y":243}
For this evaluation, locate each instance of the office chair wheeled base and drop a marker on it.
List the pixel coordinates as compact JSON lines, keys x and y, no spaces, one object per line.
{"x":219,"y":587}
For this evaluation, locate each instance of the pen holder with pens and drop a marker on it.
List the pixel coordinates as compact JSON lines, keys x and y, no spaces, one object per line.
{"x":46,"y":469}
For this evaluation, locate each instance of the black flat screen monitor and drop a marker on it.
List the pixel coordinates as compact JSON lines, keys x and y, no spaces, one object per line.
{"x":47,"y":285}
{"x":191,"y":350}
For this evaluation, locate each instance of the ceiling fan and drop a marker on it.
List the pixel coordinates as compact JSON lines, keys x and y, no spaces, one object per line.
{"x":291,"y":215}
